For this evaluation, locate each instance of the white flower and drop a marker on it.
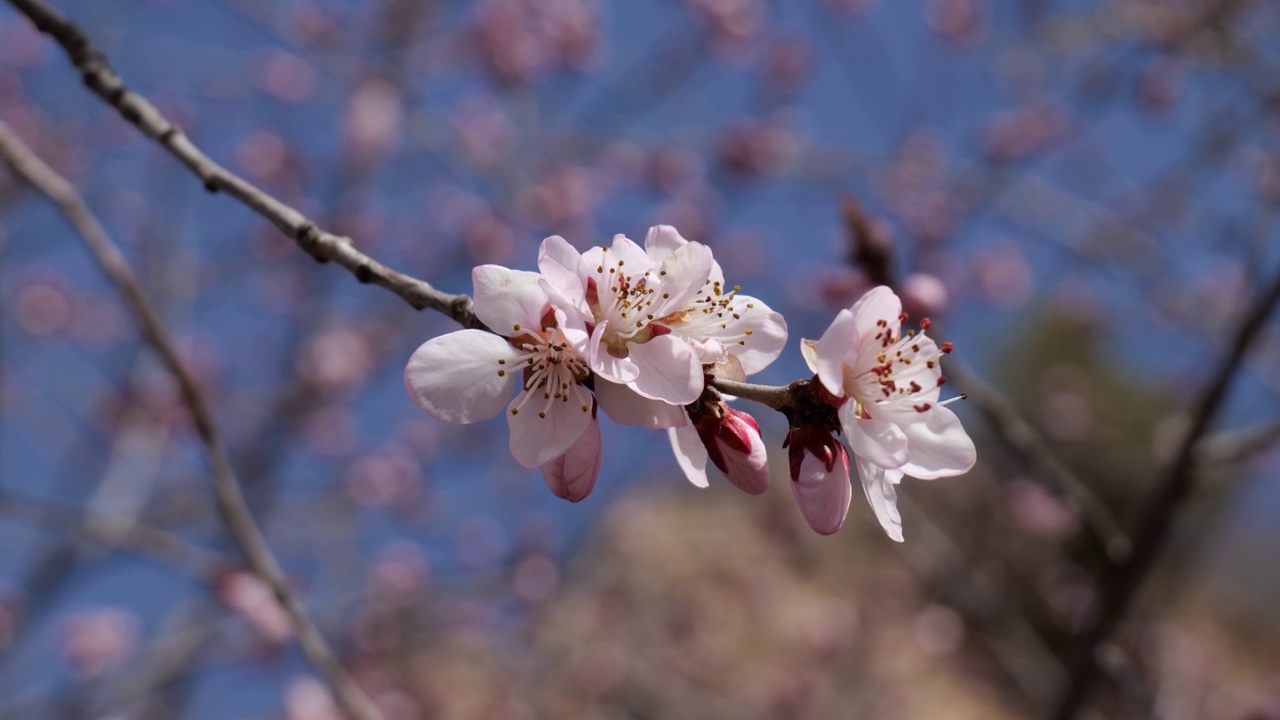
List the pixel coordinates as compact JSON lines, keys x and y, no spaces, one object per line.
{"x":891,"y":416}
{"x":468,"y":376}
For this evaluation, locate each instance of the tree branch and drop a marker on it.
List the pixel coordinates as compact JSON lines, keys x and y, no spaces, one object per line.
{"x":1121,"y":581}
{"x":230,"y":499}
{"x":141,"y":113}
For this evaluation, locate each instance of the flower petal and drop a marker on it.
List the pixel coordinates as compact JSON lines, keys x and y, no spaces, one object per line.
{"x":937,"y":444}
{"x":668,"y":370}
{"x":876,"y":440}
{"x":683,"y":275}
{"x":543,"y":429}
{"x":661,"y":241}
{"x":823,"y":495}
{"x":879,"y":303}
{"x":572,"y":475}
{"x":563,"y":273}
{"x":456,"y":377}
{"x":837,"y":343}
{"x":748,"y":471}
{"x":809,"y":350}
{"x":628,"y":407}
{"x":507,"y":299}
{"x":745,"y":327}
{"x":878,"y":483}
{"x":690,"y":453}
{"x":605,"y":364}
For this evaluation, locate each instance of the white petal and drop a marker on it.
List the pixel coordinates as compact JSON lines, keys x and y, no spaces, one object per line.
{"x":606,"y":365}
{"x":627,"y":407}
{"x":937,"y":444}
{"x":878,"y":441}
{"x":573,"y":474}
{"x":563,"y":273}
{"x":809,"y":350}
{"x":542,"y":429}
{"x":837,"y":344}
{"x":748,"y":329}
{"x":636,"y":261}
{"x":690,"y":453}
{"x":878,"y":483}
{"x":687,"y":270}
{"x":668,"y":370}
{"x":878,"y":304}
{"x":506,"y":298}
{"x":730,"y":369}
{"x":661,"y":241}
{"x":455,"y":376}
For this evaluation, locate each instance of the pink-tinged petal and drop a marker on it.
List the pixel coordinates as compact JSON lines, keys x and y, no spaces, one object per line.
{"x":742,"y":452}
{"x":543,"y":429}
{"x":878,"y":483}
{"x":822,"y":489}
{"x":681,"y":277}
{"x":572,"y":475}
{"x":563,"y":273}
{"x":937,"y":444}
{"x":690,"y":453}
{"x":873,"y":439}
{"x":767,"y":339}
{"x":668,"y":370}
{"x":457,"y":377}
{"x":730,"y":369}
{"x":878,"y":304}
{"x":604,"y":363}
{"x":809,"y":350}
{"x":627,"y":407}
{"x":635,"y":261}
{"x":661,"y":241}
{"x":837,"y":343}
{"x":507,"y":299}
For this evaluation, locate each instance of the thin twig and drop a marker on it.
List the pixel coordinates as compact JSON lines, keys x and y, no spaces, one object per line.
{"x":1155,"y":519}
{"x":140,"y":112}
{"x":1020,"y":437}
{"x":230,"y":499}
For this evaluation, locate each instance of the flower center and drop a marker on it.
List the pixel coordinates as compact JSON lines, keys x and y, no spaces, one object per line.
{"x":905,"y":365}
{"x":551,"y":366}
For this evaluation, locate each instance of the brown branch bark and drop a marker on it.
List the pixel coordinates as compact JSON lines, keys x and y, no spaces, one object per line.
{"x":1121,"y":581}
{"x":227,"y":492}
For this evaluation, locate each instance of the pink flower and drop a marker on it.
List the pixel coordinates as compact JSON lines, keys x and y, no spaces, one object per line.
{"x":572,"y":475}
{"x":731,"y":439}
{"x":819,"y":478}
{"x":891,"y":414}
{"x":467,"y":376}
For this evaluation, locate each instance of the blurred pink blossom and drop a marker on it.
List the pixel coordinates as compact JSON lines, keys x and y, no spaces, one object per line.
{"x":254,"y":601}
{"x":93,"y":642}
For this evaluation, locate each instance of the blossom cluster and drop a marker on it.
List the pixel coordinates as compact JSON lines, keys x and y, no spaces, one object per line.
{"x":640,"y":331}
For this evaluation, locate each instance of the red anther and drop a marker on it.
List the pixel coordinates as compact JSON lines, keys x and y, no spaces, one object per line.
{"x":925,"y":324}
{"x":922,"y":408}
{"x":882,"y":323}
{"x":915,"y":387}
{"x":945,"y":347}
{"x":942,"y":380}
{"x":903,"y":317}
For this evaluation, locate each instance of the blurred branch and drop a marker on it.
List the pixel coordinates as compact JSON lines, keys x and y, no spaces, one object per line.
{"x":230,"y":498}
{"x":1020,"y":437}
{"x":116,"y":531}
{"x":1238,"y":446}
{"x":1121,"y":581}
{"x":141,"y":113}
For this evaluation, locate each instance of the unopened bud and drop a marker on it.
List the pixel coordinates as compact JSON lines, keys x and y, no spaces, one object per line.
{"x":733,"y":443}
{"x":819,"y":478}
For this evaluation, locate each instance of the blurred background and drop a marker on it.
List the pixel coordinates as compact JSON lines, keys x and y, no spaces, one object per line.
{"x":1083,"y":194}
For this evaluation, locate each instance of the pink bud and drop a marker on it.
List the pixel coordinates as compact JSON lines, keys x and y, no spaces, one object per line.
{"x":572,"y":476}
{"x":819,"y":478}
{"x":733,"y":443}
